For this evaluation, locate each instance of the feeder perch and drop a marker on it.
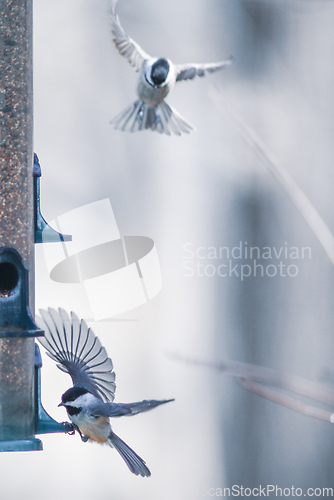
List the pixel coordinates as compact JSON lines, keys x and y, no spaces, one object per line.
{"x":43,"y":232}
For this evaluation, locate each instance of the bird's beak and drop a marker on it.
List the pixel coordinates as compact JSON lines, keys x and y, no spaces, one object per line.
{"x":61,"y":404}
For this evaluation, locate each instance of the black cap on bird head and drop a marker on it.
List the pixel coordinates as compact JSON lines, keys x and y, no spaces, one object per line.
{"x":159,"y":71}
{"x":72,"y":394}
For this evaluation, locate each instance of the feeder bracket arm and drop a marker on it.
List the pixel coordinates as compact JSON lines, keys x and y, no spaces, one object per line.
{"x":44,"y":423}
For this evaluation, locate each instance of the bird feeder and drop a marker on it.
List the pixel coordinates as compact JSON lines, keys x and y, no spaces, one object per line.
{"x":21,"y":413}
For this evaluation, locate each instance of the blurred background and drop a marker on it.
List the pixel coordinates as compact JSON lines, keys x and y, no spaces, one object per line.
{"x":202,"y":191}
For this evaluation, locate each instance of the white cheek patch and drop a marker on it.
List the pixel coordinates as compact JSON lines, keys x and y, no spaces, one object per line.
{"x":84,"y":400}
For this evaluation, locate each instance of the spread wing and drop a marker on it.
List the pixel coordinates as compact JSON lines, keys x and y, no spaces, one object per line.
{"x":122,"y":409}
{"x":189,"y":71}
{"x":78,"y":352}
{"x":126,"y":46}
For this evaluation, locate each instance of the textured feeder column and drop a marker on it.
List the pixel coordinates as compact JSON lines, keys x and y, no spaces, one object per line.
{"x":17,"y":412}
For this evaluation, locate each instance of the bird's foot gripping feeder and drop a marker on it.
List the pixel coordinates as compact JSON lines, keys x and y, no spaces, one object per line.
{"x":22,"y":414}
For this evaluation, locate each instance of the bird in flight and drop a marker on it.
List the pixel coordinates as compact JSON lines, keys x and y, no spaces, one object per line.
{"x":89,"y":403}
{"x":157,"y":77}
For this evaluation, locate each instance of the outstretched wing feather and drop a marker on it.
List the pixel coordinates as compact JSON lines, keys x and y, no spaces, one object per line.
{"x":189,"y":71}
{"x":126,"y":46}
{"x":78,"y":352}
{"x":49,"y":342}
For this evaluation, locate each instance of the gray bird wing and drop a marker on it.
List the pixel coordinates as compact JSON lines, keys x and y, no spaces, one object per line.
{"x":126,"y":46}
{"x":124,"y":409}
{"x":78,"y":352}
{"x":189,"y":71}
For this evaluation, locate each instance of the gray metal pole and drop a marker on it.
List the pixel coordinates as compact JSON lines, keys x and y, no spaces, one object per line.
{"x":17,"y":397}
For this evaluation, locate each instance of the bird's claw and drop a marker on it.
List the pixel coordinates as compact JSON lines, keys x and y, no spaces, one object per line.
{"x":71,"y":430}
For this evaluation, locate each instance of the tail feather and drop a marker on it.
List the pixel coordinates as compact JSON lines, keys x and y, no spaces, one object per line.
{"x":136,"y":464}
{"x":161,"y":118}
{"x":175,"y":120}
{"x":122,"y":120}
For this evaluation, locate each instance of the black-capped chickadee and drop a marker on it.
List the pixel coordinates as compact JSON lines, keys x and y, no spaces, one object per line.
{"x":157,"y":77}
{"x":89,"y":403}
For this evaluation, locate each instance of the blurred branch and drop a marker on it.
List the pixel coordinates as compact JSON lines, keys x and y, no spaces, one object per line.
{"x":253,"y":376}
{"x":289,"y":402}
{"x":287,"y":183}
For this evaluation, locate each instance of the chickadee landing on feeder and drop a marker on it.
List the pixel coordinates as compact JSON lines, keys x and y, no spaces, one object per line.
{"x":89,"y":403}
{"x":157,"y":77}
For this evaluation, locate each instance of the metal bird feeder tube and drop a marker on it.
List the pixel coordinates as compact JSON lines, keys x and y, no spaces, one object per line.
{"x":17,"y":350}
